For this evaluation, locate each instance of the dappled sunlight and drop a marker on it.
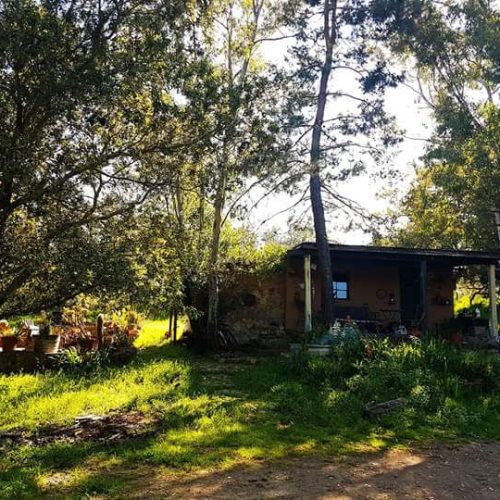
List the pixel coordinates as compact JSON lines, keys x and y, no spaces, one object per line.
{"x":59,"y":398}
{"x":197,"y":421}
{"x":391,"y":473}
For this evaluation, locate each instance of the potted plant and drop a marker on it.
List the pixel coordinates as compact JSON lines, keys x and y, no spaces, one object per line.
{"x":45,"y":343}
{"x":8,"y":336}
{"x":132,"y":327}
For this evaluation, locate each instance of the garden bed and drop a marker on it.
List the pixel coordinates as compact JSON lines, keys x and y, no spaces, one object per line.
{"x":114,"y":427}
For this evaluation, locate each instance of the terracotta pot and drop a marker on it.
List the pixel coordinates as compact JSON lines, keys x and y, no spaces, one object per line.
{"x":47,"y":345}
{"x":133,"y":332}
{"x":9,"y":343}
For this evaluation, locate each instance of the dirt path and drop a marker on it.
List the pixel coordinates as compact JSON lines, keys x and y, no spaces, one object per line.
{"x":443,"y":472}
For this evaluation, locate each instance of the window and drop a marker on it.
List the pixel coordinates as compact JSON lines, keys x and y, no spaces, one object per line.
{"x":340,"y":287}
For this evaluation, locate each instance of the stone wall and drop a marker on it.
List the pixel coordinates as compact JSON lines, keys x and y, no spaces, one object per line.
{"x":253,"y":310}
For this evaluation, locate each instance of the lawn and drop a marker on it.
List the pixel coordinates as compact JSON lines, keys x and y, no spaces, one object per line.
{"x":215,"y":415}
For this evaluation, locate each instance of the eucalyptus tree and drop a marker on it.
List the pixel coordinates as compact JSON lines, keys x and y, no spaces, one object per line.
{"x":455,"y":50}
{"x":242,"y":105}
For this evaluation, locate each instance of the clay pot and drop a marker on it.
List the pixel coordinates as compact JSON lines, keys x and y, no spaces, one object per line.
{"x":9,"y":343}
{"x":47,"y":345}
{"x":133,"y":332}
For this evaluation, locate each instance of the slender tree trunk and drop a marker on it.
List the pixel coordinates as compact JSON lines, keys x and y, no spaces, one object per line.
{"x":236,"y":83}
{"x":175,"y":325}
{"x":213,"y":277}
{"x":325,"y":264}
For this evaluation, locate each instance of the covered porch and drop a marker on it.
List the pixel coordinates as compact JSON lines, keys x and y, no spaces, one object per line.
{"x":380,"y":286}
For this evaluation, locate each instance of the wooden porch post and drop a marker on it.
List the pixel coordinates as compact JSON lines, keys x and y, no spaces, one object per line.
{"x":307,"y":294}
{"x":423,"y":295}
{"x":493,"y":299}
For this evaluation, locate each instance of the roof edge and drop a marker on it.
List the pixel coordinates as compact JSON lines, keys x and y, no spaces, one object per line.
{"x":431,"y":252}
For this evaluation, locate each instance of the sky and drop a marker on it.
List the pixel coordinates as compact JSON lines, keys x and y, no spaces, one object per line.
{"x":411,"y":115}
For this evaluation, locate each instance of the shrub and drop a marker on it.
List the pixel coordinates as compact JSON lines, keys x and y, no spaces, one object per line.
{"x":447,"y":388}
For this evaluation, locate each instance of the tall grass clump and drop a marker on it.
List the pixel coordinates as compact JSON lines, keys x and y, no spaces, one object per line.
{"x":448,"y":390}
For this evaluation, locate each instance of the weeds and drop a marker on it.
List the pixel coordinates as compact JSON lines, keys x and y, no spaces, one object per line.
{"x":449,"y":391}
{"x":215,"y":415}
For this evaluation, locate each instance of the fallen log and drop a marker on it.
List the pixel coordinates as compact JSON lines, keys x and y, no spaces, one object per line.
{"x":373,"y":409}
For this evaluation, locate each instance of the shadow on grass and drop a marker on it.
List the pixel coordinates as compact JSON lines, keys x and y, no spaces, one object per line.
{"x":211,"y":415}
{"x":218,"y":416}
{"x":424,"y":474}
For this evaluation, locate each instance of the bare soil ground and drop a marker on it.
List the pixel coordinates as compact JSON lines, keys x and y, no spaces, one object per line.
{"x":469,"y":471}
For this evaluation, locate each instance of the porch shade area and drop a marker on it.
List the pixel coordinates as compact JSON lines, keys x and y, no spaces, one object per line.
{"x":384,"y":285}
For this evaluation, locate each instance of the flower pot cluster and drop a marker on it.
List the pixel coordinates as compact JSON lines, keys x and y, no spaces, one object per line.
{"x":22,"y":337}
{"x":8,"y":337}
{"x":46,"y":339}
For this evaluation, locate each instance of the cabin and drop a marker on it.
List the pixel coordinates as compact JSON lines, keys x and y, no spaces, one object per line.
{"x":378,"y":287}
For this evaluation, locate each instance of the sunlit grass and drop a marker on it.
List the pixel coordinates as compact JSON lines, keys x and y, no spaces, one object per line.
{"x":30,"y":401}
{"x":153,"y":332}
{"x":57,"y":398}
{"x":215,"y":415}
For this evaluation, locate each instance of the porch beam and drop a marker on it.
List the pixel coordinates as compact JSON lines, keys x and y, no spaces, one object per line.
{"x":423,"y":295}
{"x":493,"y":299}
{"x":307,"y":294}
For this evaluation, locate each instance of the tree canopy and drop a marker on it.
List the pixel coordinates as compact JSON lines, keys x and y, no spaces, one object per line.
{"x":456,"y":49}
{"x":135,"y":130}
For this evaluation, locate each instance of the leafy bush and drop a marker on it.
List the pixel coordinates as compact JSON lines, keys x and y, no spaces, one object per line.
{"x":445,"y":387}
{"x":72,"y":360}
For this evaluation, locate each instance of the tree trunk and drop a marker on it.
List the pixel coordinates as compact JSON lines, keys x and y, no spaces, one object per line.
{"x":236,"y":83}
{"x":325,"y":264}
{"x":213,"y":274}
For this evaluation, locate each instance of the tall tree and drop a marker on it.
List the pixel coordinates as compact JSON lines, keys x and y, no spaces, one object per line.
{"x":456,"y":50}
{"x":325,"y":263}
{"x":76,"y":105}
{"x":338,"y":51}
{"x":244,"y":111}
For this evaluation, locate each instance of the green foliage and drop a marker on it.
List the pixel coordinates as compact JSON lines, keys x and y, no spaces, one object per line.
{"x":78,"y":97}
{"x":456,"y":51}
{"x":433,"y":378}
{"x":82,"y":363}
{"x":464,"y":304}
{"x":214,"y":415}
{"x":241,"y":253}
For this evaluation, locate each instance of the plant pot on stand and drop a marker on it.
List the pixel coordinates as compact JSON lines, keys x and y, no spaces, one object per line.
{"x":45,"y":343}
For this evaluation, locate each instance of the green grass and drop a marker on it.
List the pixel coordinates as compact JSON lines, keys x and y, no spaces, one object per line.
{"x":153,"y":332}
{"x":215,"y":415}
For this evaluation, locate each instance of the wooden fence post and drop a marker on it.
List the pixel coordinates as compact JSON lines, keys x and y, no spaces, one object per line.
{"x":175,"y":326}
{"x":100,"y":327}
